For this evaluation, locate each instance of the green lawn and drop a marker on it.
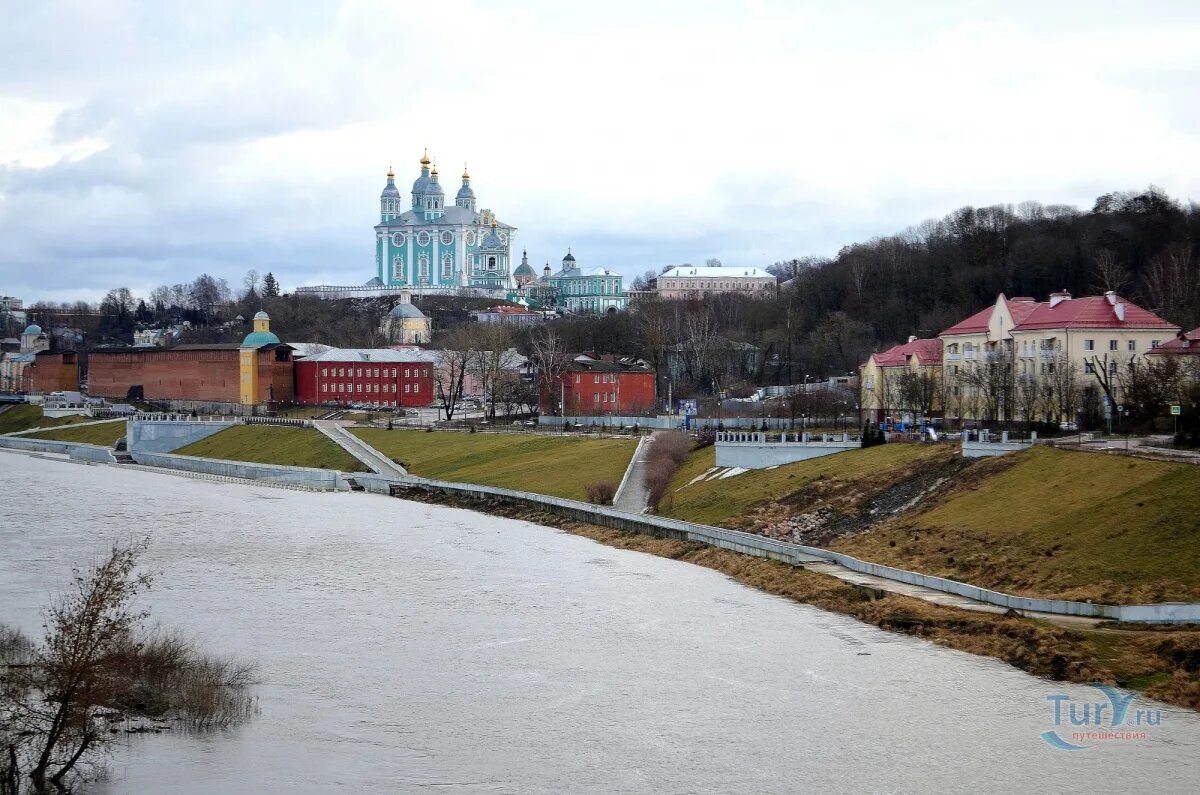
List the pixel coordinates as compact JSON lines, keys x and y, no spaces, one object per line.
{"x":1057,"y":523}
{"x":271,"y":444}
{"x":105,"y":434}
{"x":24,"y":417}
{"x":561,"y":466}
{"x":723,"y":502}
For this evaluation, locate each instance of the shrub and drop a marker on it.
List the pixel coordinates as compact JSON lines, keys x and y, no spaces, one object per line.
{"x":601,"y":492}
{"x":472,"y":429}
{"x":667,"y":452}
{"x":706,"y":437}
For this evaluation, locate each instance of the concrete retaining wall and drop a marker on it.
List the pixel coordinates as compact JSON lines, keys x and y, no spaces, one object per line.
{"x":75,"y":450}
{"x":327,"y":479}
{"x":750,"y":450}
{"x":760,"y":546}
{"x":985,"y":449}
{"x":163,"y":437}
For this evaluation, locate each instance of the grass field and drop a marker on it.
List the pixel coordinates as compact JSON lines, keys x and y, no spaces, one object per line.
{"x":1056,"y":523}
{"x":105,"y":434}
{"x":726,"y":501}
{"x":23,"y":417}
{"x":270,"y":444}
{"x":554,"y":465}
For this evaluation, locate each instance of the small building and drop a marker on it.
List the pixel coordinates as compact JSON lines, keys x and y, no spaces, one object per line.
{"x":595,"y":385}
{"x":687,"y":281}
{"x":383,"y":377}
{"x":32,"y":367}
{"x":1185,"y":343}
{"x":577,"y":290}
{"x":406,"y":324}
{"x":508,"y":315}
{"x":904,"y":381}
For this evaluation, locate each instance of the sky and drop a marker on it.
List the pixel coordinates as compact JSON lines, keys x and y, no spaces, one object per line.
{"x":145,"y":143}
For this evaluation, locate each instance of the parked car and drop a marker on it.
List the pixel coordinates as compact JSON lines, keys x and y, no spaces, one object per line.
{"x":1068,"y":426}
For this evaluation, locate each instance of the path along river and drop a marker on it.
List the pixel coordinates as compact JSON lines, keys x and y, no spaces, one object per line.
{"x":405,"y":646}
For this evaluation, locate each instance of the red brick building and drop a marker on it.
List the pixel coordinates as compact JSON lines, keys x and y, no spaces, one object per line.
{"x":54,"y":372}
{"x":376,"y":376}
{"x":190,"y":373}
{"x":595,"y":385}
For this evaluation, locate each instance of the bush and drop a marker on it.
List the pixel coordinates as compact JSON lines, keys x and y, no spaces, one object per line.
{"x":706,"y":437}
{"x":667,"y":452}
{"x":601,"y":492}
{"x":472,"y":429}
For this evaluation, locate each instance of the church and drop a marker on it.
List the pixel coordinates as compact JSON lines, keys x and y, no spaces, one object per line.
{"x":433,"y":245}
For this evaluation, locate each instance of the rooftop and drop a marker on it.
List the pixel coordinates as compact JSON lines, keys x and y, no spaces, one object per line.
{"x":717,"y":272}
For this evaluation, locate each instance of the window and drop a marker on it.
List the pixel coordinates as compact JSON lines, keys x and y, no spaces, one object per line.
{"x":1089,"y":345}
{"x":1154,"y":343}
{"x":423,"y":265}
{"x":406,"y":372}
{"x":447,"y":265}
{"x":406,"y":388}
{"x":577,"y":379}
{"x":1112,"y":345}
{"x":1133,"y":345}
{"x":324,"y":387}
{"x":422,"y":238}
{"x":360,"y":372}
{"x":491,"y":263}
{"x":359,"y":388}
{"x":1089,"y":368}
{"x":1112,"y":368}
{"x":595,"y":397}
{"x":447,"y":238}
{"x":324,"y":371}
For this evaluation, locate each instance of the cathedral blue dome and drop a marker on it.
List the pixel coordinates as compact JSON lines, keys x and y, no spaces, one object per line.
{"x":465,"y":192}
{"x":390,"y":191}
{"x":421,"y":186}
{"x":32,"y":328}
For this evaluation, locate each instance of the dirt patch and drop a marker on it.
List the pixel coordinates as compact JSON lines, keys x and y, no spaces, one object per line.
{"x":825,"y":510}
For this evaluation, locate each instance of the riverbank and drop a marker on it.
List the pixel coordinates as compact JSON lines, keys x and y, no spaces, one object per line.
{"x":1161,"y":664}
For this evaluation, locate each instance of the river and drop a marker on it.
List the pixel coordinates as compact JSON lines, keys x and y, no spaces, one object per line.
{"x":405,"y":646}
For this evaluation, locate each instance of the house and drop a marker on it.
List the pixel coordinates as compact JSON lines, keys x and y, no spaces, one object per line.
{"x":687,"y":281}
{"x":508,"y":315}
{"x":593,"y":385}
{"x":383,"y":377}
{"x":1185,"y":343}
{"x":406,"y":324}
{"x":904,"y":382}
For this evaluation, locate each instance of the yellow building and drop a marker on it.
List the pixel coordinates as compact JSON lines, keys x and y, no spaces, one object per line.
{"x":248,"y":391}
{"x":1029,"y":360}
{"x":903,"y":383}
{"x":406,"y":324}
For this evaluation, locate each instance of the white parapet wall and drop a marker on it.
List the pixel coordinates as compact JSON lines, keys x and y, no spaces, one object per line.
{"x":164,"y":436}
{"x":988,"y":444}
{"x":755,"y":450}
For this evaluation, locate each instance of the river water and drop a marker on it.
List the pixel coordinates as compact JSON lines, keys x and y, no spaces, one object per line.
{"x":405,"y":646}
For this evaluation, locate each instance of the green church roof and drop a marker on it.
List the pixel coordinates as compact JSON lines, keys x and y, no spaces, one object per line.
{"x":257,"y":339}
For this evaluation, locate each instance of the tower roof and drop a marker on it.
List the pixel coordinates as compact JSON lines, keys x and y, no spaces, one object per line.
{"x":389,"y":190}
{"x":257,"y":339}
{"x":570,"y":257}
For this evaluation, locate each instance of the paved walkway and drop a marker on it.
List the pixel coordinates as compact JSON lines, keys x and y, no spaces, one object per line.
{"x":632,"y":496}
{"x":374,"y":460}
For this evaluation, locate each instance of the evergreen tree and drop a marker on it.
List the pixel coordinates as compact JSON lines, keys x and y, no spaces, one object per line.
{"x":270,"y":287}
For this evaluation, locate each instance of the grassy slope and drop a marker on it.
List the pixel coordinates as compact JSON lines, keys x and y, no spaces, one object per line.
{"x":724,"y":502}
{"x":268,"y":444}
{"x":1056,"y":523}
{"x":25,"y":416}
{"x":555,"y":465}
{"x":105,"y":434}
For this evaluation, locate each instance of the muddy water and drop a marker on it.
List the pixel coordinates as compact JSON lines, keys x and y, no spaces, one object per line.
{"x":405,"y":646}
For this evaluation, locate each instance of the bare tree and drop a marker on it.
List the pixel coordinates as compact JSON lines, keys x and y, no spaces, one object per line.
{"x":54,"y":712}
{"x":1172,"y":285}
{"x":453,"y":363}
{"x":492,"y":362}
{"x":918,"y":392}
{"x":250,"y":283}
{"x":1111,"y":273}
{"x":990,"y":383}
{"x":551,"y":359}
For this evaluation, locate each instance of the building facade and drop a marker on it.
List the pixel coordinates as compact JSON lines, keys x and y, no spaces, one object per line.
{"x":32,"y":367}
{"x":592,"y":386}
{"x":406,"y":324}
{"x":382,"y":377}
{"x":684,"y":282}
{"x":584,"y":291}
{"x":903,"y":383}
{"x":433,"y":244}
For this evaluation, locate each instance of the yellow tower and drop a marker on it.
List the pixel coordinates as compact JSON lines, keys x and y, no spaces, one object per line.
{"x":248,"y":358}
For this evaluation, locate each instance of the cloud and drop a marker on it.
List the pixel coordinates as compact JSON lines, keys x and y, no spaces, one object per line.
{"x":143,"y":144}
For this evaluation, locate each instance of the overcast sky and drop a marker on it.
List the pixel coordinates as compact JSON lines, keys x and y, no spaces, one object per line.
{"x":143,"y":143}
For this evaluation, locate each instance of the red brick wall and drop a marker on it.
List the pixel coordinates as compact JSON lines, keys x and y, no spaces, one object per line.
{"x":53,"y":372}
{"x":364,"y":382}
{"x":211,"y":375}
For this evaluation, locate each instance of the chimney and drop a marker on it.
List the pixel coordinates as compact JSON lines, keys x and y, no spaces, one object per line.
{"x":1112,"y":297}
{"x":1059,"y":297}
{"x":1120,"y":310}
{"x":912,"y":338}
